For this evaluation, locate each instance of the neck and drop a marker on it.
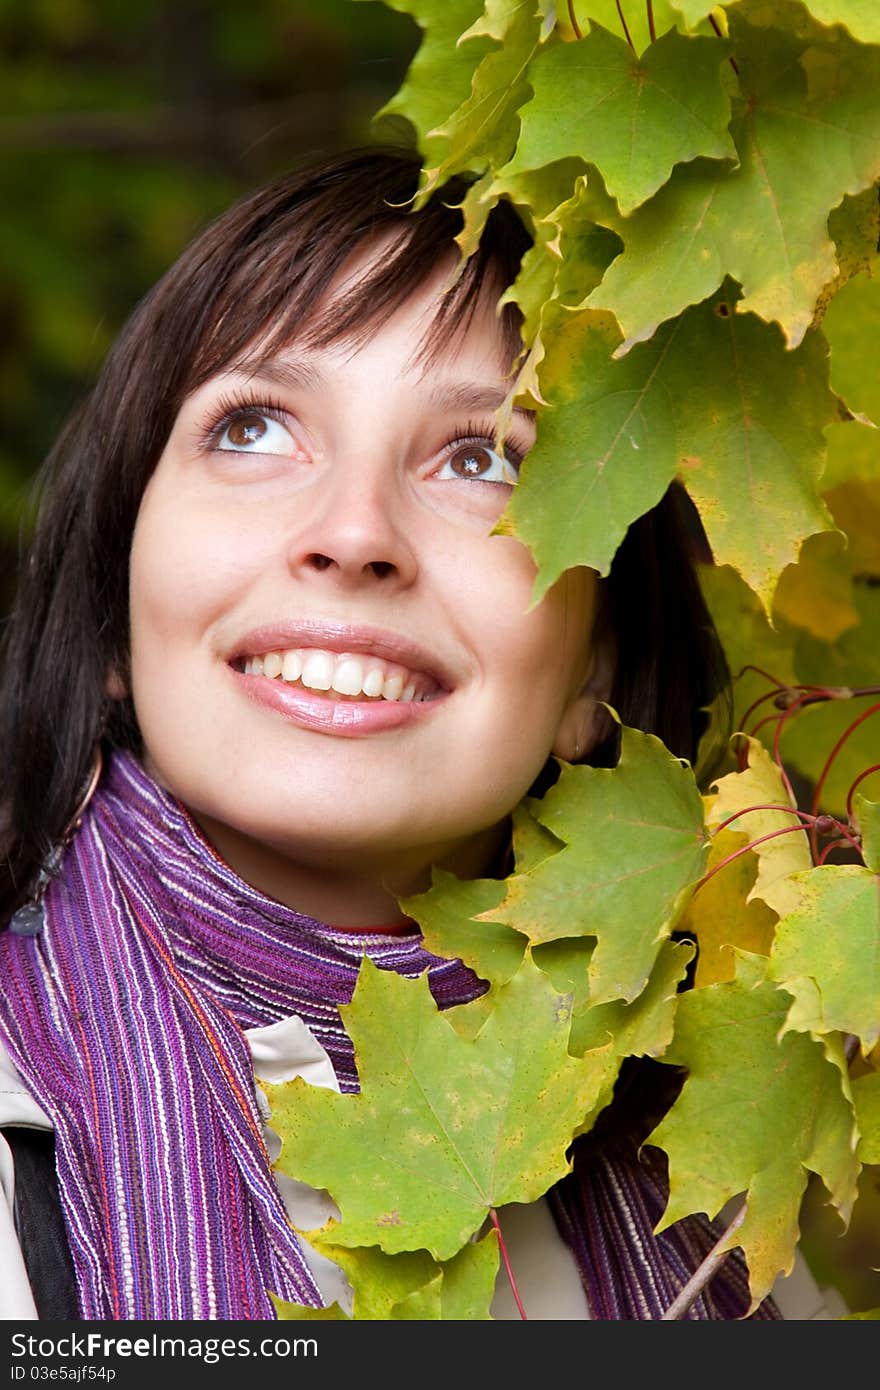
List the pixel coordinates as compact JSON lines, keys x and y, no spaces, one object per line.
{"x":355,"y":892}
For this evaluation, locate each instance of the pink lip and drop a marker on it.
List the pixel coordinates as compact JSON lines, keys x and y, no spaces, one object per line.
{"x":342,"y":637}
{"x":341,"y":718}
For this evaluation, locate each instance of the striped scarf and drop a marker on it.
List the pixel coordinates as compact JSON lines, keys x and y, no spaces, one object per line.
{"x":125,"y":1017}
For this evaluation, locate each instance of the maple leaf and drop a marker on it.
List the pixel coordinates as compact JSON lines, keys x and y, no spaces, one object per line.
{"x":834,"y":977}
{"x":866,"y":1097}
{"x":443,"y":1128}
{"x":745,"y":430}
{"x":483,"y":130}
{"x":722,"y":915}
{"x":440,"y":75}
{"x":640,"y":1029}
{"x":861,"y":17}
{"x":634,"y":118}
{"x":624,"y":881}
{"x":760,"y":784}
{"x":756,"y":1113}
{"x":764,"y":222}
{"x":410,"y":1285}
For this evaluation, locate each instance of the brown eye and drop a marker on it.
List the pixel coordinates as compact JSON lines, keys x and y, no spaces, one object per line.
{"x":471,"y":461}
{"x":254,"y":432}
{"x":247,"y":429}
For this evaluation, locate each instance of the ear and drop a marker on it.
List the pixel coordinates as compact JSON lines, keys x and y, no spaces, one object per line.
{"x":585,"y":720}
{"x":115,"y":687}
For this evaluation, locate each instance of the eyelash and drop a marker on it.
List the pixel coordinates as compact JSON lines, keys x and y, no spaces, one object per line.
{"x":228,"y":408}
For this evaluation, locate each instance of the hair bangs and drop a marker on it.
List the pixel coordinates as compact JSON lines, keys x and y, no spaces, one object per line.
{"x":276,"y":287}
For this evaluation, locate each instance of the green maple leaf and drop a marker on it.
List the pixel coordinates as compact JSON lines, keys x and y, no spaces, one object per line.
{"x":634,"y":118}
{"x":408,"y":1286}
{"x":715,"y":397}
{"x":640,"y":1029}
{"x":440,"y":75}
{"x":861,"y":17}
{"x":807,"y":132}
{"x":780,"y":859}
{"x":866,"y":1096}
{"x":756,"y":1113}
{"x":826,"y":951}
{"x":851,"y":320}
{"x":625,"y":882}
{"x":449,"y":916}
{"x":481,"y":133}
{"x":443,"y":1128}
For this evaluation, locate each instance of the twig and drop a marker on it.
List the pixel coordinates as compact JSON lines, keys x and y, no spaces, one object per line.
{"x":652,"y":27}
{"x":701,"y":1276}
{"x":578,"y":33}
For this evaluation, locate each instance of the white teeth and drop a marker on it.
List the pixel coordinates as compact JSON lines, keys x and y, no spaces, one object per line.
{"x":291,"y":669}
{"x":342,"y":672}
{"x":374,"y":681}
{"x":348,"y":677}
{"x":317,"y":671}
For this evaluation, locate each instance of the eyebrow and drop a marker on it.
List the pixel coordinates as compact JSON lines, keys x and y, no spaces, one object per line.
{"x":455,"y":395}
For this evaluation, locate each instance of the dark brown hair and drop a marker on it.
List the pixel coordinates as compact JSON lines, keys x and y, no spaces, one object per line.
{"x":257,"y":274}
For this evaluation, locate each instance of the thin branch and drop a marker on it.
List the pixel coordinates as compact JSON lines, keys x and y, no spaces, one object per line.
{"x":652,"y":27}
{"x":506,"y":1258}
{"x":578,"y":33}
{"x":701,"y":1276}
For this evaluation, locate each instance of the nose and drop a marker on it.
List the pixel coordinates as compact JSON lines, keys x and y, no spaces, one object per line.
{"x":355,"y":530}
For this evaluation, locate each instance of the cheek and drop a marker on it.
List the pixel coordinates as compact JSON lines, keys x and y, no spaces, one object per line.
{"x":184,"y":571}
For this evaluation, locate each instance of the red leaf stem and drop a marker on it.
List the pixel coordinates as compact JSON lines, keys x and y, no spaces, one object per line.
{"x":506,"y":1258}
{"x":875,"y":767}
{"x":625,"y":30}
{"x":767,"y":806}
{"x":652,"y":27}
{"x":729,"y":858}
{"x":759,"y":670}
{"x":849,"y":730}
{"x":573,"y":18}
{"x":716,"y":26}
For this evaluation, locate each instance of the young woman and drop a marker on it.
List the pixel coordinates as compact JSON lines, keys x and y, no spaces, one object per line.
{"x":266,"y":666}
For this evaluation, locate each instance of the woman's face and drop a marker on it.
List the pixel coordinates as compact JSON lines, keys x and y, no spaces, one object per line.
{"x":333,"y":662}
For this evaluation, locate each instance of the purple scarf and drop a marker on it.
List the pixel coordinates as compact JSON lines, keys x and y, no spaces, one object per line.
{"x":125,"y":1017}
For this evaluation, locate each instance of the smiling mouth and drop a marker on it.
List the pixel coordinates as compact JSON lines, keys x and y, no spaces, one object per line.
{"x":343,"y":675}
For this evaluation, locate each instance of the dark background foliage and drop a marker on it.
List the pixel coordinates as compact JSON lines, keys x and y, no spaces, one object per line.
{"x":125,"y":125}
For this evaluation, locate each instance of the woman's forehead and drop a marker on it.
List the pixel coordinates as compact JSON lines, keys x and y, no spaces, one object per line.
{"x":440,"y":299}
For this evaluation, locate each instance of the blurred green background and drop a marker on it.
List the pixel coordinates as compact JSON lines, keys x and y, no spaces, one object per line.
{"x":125,"y":125}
